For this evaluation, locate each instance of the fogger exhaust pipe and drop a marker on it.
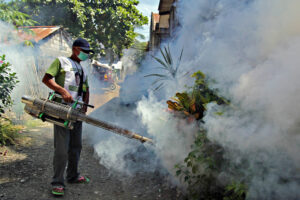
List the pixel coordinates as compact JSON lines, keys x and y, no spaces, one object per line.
{"x":57,"y":113}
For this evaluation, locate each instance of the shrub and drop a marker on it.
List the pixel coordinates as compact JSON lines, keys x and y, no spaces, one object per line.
{"x":202,"y":167}
{"x":8,"y":131}
{"x":193,"y":104}
{"x":235,"y":191}
{"x":8,"y":81}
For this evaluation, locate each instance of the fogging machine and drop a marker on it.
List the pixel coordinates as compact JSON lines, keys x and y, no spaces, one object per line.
{"x":65,"y":115}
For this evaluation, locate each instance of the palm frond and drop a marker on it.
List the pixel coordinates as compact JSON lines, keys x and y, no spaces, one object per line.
{"x":162,"y":63}
{"x":167,"y":64}
{"x":158,"y":87}
{"x":168,"y":52}
{"x":159,"y":75}
{"x":179,"y":60}
{"x":165,"y":58}
{"x":157,"y":80}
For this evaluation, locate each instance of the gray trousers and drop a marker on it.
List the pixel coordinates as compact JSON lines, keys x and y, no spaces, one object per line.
{"x":67,"y":148}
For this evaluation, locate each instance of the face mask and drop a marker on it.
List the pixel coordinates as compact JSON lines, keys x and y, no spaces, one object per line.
{"x":83,"y":56}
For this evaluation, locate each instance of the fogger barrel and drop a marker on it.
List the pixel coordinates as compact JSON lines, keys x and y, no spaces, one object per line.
{"x":58,"y":113}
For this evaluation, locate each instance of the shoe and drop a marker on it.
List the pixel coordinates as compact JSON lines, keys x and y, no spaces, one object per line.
{"x":58,"y":190}
{"x":80,"y":179}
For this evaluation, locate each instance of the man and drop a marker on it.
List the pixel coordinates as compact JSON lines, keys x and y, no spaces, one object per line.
{"x":71,"y":83}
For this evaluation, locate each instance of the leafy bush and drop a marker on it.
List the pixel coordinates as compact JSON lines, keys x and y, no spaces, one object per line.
{"x":202,"y":167}
{"x":8,"y":81}
{"x":235,"y":191}
{"x":193,"y":104}
{"x":8,"y":131}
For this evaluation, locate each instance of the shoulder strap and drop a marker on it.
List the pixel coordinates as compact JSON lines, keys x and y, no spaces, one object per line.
{"x":80,"y":89}
{"x":81,"y":83}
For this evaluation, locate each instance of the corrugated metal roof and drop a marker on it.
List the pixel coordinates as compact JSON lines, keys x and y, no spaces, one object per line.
{"x":40,"y":32}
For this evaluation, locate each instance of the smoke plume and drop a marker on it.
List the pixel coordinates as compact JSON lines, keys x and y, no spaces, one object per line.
{"x":250,"y":48}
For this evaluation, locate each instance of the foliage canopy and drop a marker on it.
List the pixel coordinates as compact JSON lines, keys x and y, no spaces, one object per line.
{"x":110,"y":22}
{"x":9,"y":14}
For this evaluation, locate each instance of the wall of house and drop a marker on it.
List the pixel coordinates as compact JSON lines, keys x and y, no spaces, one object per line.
{"x":47,"y":50}
{"x":56,"y":45}
{"x":167,"y":24}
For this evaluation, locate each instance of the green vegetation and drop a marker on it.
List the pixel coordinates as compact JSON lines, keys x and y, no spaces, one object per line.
{"x":202,"y":167}
{"x":9,"y":14}
{"x":168,"y":65}
{"x":193,"y":104}
{"x":110,"y":22}
{"x":8,"y":131}
{"x":8,"y":81}
{"x":140,"y":51}
{"x":236,"y":191}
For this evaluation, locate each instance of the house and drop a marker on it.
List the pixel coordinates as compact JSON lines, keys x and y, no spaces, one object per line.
{"x":163,"y":24}
{"x":154,"y":32}
{"x":49,"y":43}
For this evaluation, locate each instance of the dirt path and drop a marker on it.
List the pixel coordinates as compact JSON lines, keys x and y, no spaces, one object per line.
{"x":26,"y":171}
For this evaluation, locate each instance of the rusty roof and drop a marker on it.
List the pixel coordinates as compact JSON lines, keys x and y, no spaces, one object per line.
{"x":155,"y":19}
{"x":38,"y":32}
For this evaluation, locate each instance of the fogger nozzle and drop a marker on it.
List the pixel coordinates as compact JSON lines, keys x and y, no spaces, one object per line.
{"x":62,"y":115}
{"x":27,"y":100}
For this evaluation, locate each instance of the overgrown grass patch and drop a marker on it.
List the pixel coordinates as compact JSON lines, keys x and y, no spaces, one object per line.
{"x":8,"y":131}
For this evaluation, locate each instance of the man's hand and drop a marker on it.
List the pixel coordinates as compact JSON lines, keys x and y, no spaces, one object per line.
{"x":66,"y":95}
{"x":84,"y":109}
{"x":86,"y":97}
{"x":47,"y":80}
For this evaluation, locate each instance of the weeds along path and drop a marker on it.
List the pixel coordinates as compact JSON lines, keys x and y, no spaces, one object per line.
{"x":26,"y":171}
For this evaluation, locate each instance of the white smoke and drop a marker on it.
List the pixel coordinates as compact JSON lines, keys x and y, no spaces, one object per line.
{"x":173,"y":137}
{"x":250,"y":48}
{"x":22,"y":60}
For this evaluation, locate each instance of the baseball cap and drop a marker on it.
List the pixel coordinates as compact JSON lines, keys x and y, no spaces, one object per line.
{"x":83,"y":44}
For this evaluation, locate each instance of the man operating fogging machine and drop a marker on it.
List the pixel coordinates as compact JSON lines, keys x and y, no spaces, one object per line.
{"x":70,"y":81}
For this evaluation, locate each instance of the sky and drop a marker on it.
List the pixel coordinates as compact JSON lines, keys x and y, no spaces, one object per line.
{"x":146,"y":7}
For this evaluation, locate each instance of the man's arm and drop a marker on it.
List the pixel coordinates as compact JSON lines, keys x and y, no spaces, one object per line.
{"x":50,"y":83}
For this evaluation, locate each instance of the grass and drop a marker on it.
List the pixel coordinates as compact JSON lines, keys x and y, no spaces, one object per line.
{"x":8,"y":131}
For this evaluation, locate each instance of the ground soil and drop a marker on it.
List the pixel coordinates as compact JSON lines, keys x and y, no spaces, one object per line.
{"x":26,"y":171}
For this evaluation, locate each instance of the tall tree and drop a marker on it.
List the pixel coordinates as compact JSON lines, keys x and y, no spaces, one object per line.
{"x":9,"y":14}
{"x":110,"y":22}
